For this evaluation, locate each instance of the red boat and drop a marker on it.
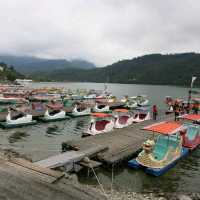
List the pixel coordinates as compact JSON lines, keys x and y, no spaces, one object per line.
{"x":191,"y":135}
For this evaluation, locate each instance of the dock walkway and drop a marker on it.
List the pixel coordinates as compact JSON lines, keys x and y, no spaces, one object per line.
{"x":22,"y":179}
{"x":69,"y":158}
{"x":121,"y":143}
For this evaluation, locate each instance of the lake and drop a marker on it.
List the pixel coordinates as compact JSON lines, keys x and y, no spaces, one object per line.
{"x":43,"y":140}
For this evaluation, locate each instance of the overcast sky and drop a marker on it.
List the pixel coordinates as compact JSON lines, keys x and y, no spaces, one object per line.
{"x":101,"y":31}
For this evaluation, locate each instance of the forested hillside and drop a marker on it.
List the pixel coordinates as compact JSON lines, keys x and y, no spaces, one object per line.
{"x":172,"y":69}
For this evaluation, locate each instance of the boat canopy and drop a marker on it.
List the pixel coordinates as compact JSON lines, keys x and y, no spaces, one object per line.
{"x":165,"y":127}
{"x":121,"y":110}
{"x":100,"y":115}
{"x":192,"y":117}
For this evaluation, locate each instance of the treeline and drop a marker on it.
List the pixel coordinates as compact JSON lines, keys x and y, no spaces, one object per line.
{"x":171,"y":69}
{"x":8,"y":73}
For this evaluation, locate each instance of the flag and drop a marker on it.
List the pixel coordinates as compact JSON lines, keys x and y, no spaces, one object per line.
{"x":193,"y":79}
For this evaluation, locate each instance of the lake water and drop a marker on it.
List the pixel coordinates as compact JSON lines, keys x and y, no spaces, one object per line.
{"x":44,"y":140}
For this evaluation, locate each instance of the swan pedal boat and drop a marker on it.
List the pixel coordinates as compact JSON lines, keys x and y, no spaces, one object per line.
{"x":142,"y":114}
{"x":19,"y":121}
{"x":100,"y":123}
{"x":101,"y":108}
{"x":130,"y":102}
{"x":55,"y":115}
{"x":142,"y":100}
{"x":78,"y":112}
{"x":191,"y":135}
{"x":163,"y":152}
{"x":122,"y":118}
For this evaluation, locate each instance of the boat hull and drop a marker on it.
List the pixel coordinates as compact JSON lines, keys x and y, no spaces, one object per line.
{"x":119,"y":124}
{"x":138,"y":119}
{"x":76,"y":113}
{"x":157,"y":171}
{"x":43,"y":119}
{"x":7,"y":125}
{"x":107,"y":128}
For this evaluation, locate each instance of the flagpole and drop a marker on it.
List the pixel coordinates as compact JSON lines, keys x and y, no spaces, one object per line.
{"x":190,"y":90}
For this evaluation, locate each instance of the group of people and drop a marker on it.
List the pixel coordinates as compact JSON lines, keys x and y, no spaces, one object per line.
{"x":178,"y":109}
{"x":185,"y":109}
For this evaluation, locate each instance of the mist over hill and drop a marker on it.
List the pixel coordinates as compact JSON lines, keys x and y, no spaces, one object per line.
{"x":28,"y":65}
{"x":170,"y":69}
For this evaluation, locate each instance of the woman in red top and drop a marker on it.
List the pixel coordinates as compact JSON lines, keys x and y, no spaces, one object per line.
{"x":155,"y":112}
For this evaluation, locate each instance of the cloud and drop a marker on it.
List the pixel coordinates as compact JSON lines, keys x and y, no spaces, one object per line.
{"x":102,"y":31}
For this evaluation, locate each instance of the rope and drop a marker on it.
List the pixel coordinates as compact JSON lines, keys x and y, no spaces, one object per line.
{"x":112,"y":179}
{"x":101,"y":186}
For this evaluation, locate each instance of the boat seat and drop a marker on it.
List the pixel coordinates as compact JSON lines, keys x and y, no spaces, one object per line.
{"x":123,"y":119}
{"x":192,"y":132}
{"x":101,"y":106}
{"x":100,"y":125}
{"x":162,"y":146}
{"x":15,"y":117}
{"x":142,"y":115}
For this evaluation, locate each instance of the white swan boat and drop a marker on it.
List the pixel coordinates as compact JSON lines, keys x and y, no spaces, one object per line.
{"x":100,"y":123}
{"x":101,"y":108}
{"x":122,"y":118}
{"x":20,"y":120}
{"x":55,"y":115}
{"x":77,"y":112}
{"x":142,"y":100}
{"x":141,"y":115}
{"x":130,"y":102}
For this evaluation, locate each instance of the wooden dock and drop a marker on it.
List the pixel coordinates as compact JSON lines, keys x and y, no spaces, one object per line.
{"x":21,"y":179}
{"x":120,"y":143}
{"x":69,"y":158}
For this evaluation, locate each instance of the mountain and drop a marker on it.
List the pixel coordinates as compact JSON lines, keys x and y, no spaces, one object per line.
{"x":28,"y":65}
{"x":170,"y":69}
{"x":8,"y":73}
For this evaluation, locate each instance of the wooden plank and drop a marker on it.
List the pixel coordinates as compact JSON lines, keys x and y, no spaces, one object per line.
{"x":70,"y":157}
{"x":29,"y":165}
{"x":61,"y":159}
{"x":23,"y":171}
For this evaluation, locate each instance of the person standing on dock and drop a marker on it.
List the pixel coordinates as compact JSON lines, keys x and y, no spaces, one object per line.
{"x":155,"y":112}
{"x":176,"y":113}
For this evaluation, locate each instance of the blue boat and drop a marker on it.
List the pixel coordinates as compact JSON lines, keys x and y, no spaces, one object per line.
{"x":161,"y":152}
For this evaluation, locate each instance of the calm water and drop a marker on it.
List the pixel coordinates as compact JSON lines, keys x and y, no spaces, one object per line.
{"x":45,"y":139}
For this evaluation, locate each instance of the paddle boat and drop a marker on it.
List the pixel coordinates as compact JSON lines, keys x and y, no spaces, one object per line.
{"x":122,"y":118}
{"x":191,"y":135}
{"x":141,"y":114}
{"x":142,"y":100}
{"x":11,"y":100}
{"x":130,"y":102}
{"x":100,"y":123}
{"x":79,"y":111}
{"x":54,"y":112}
{"x":101,"y":108}
{"x":22,"y":119}
{"x":55,"y":115}
{"x":160,"y":153}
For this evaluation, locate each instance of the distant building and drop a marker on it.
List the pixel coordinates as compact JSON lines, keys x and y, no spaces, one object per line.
{"x":23,"y":82}
{"x":1,"y":68}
